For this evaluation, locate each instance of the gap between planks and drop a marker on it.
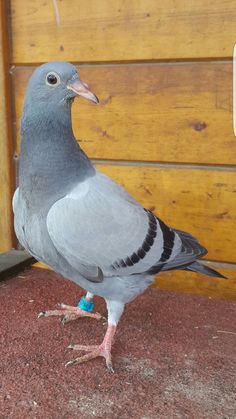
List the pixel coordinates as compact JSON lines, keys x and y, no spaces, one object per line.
{"x":160,"y":62}
{"x":170,"y":165}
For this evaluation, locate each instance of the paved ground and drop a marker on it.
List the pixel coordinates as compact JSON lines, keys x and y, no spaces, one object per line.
{"x":174,"y":356}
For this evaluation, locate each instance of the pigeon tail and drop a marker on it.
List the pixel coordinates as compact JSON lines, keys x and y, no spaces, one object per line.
{"x":203,"y":269}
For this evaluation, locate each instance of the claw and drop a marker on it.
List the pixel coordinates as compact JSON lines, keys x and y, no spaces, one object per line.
{"x":69,"y":363}
{"x":60,"y":305}
{"x":110,"y":366}
{"x":93,"y":351}
{"x":100,"y":317}
{"x":85,"y":348}
{"x":64,"y":320}
{"x":42,"y":314}
{"x":69,"y":313}
{"x":71,"y":346}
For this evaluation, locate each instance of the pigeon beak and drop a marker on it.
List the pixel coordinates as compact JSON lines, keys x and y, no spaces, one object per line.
{"x":81,"y":89}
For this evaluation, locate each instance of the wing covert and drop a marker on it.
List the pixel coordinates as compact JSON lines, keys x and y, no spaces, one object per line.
{"x":100,"y":226}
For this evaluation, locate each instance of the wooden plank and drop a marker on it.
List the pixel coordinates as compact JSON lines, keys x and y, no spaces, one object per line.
{"x":193,"y":283}
{"x":108,"y":30}
{"x":199,"y":201}
{"x":6,"y":175}
{"x":173,"y":113}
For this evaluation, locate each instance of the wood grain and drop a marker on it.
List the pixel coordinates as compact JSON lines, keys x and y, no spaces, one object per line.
{"x":117,"y":30}
{"x":173,"y":113}
{"x":193,"y":283}
{"x":6,"y":172}
{"x":199,"y":201}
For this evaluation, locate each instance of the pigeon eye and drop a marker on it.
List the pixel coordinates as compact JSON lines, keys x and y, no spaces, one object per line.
{"x":52,"y":79}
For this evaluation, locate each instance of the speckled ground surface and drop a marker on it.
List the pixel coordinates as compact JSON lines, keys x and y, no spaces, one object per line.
{"x":170,"y":358}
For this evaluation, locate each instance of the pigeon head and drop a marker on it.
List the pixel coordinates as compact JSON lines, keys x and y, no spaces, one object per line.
{"x":57,"y":83}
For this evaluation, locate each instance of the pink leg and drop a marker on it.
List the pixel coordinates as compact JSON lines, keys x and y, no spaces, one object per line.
{"x":70,"y":313}
{"x":96,"y":350}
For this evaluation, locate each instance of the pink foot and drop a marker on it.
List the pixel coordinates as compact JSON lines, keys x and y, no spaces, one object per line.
{"x":94,"y":351}
{"x":70,"y":313}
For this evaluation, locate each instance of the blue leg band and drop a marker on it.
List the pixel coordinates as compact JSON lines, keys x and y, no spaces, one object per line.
{"x":85,"y":305}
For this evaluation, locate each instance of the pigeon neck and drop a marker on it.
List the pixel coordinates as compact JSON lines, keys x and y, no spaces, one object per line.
{"x":51,"y":160}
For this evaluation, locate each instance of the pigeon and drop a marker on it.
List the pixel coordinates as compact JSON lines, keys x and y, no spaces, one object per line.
{"x":80,"y":222}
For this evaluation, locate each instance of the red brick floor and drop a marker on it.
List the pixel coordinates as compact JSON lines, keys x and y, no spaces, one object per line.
{"x":170,"y":359}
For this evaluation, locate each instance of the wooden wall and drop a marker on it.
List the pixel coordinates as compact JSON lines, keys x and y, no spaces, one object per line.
{"x":163,"y":73}
{"x":6,"y":141}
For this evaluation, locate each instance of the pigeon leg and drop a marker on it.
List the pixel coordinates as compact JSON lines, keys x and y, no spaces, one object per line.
{"x":115,"y":310}
{"x":94,"y":351}
{"x":69,"y":313}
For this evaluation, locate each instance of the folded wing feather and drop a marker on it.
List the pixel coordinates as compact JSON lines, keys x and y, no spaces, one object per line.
{"x":102,"y":231}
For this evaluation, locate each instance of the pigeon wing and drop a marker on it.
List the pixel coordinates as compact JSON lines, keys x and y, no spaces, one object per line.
{"x":102,"y":231}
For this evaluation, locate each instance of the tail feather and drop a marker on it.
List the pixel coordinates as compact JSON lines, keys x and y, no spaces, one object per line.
{"x":203,"y":269}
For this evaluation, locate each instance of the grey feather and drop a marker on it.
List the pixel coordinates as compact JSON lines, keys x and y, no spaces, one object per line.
{"x":203,"y":269}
